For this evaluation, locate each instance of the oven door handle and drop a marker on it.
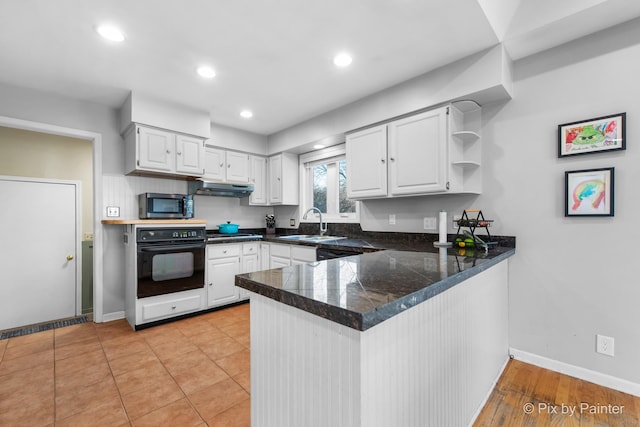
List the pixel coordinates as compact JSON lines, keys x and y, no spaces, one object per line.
{"x":155,"y":248}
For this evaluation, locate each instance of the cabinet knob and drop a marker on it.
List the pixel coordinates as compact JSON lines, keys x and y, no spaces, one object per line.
{"x":69,"y":257}
{"x":392,"y":159}
{"x":382,"y":160}
{"x":229,"y":165}
{"x":210,"y":284}
{"x":168,"y":152}
{"x":173,"y":307}
{"x":224,"y":252}
{"x":221,"y":164}
{"x":179,"y":153}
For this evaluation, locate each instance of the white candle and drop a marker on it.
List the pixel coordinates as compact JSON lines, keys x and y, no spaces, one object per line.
{"x":442,"y":227}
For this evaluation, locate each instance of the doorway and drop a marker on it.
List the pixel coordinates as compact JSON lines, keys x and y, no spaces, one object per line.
{"x":95,"y":139}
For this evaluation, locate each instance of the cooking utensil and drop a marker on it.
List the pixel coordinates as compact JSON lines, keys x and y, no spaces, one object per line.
{"x":228,"y":228}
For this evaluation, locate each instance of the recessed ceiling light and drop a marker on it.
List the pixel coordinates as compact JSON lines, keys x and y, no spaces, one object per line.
{"x":206,"y":72}
{"x":342,"y":60}
{"x":318,"y":146}
{"x":110,"y":32}
{"x":247,"y":114}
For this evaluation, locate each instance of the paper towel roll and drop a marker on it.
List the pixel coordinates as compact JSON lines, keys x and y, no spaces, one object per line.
{"x":442,"y":227}
{"x":443,"y":264}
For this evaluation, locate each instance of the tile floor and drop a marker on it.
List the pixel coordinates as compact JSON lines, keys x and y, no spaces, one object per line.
{"x":192,"y":372}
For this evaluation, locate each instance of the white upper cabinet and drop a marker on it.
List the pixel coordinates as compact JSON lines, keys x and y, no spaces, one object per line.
{"x":417,"y":153}
{"x":432,"y":152}
{"x":189,"y":155}
{"x":160,"y":151}
{"x":283,"y":178}
{"x":366,"y":153}
{"x":259,"y":181}
{"x":222,"y":165}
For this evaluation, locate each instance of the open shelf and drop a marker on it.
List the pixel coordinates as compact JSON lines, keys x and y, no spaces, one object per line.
{"x":466,"y":135}
{"x":466,"y":164}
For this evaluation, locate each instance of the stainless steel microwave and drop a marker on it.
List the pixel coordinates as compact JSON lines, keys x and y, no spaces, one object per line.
{"x":165,"y":206}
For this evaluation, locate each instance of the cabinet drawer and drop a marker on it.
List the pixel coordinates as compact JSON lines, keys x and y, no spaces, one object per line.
{"x":171,"y":308}
{"x":223,"y":251}
{"x":283,"y":251}
{"x":250,"y":248}
{"x":303,"y":253}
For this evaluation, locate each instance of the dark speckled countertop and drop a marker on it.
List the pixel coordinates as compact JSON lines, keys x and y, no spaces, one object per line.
{"x":363,"y":290}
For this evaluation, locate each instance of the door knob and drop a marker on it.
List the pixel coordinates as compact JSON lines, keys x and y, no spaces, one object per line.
{"x":69,"y":257}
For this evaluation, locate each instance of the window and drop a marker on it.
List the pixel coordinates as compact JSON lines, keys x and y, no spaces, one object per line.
{"x":324,"y":185}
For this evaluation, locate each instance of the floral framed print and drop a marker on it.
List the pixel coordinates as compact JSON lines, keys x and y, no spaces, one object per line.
{"x":592,"y":136}
{"x":589,"y":192}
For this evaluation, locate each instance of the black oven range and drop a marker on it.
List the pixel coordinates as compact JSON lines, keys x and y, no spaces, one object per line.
{"x":170,"y":260}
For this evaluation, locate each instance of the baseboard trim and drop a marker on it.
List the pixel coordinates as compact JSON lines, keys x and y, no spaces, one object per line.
{"x":116,"y":315}
{"x":577,"y":372}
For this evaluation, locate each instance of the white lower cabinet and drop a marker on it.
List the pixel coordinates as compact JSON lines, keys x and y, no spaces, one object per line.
{"x":283,"y":255}
{"x":250,"y":262}
{"x":166,"y":306}
{"x":302,"y":254}
{"x":223,"y":263}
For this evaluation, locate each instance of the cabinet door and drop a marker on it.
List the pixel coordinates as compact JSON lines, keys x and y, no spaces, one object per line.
{"x":302,"y":255}
{"x":367,"y":163}
{"x":265,"y":256}
{"x":221,"y":274}
{"x":250,"y":263}
{"x":189,"y":155}
{"x":418,"y":153}
{"x":277,"y":262}
{"x":275,"y":179}
{"x":259,"y":181}
{"x":156,"y":149}
{"x":214,"y":164}
{"x":238,"y":167}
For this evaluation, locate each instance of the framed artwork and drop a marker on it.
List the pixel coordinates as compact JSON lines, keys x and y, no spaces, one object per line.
{"x":589,"y":192}
{"x":592,"y":136}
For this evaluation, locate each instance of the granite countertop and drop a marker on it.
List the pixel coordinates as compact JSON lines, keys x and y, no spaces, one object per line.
{"x":361,"y":291}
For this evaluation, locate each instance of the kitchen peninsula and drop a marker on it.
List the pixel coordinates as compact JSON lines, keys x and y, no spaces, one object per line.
{"x":383,"y":338}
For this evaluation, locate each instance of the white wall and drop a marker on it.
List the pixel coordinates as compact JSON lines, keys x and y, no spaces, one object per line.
{"x":571,"y":278}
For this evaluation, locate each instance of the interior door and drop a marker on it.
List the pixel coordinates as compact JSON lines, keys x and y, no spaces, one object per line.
{"x":38,"y":251}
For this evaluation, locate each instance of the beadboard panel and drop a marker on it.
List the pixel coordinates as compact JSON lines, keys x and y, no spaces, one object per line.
{"x":304,"y":369}
{"x":433,"y":364}
{"x":122,"y":191}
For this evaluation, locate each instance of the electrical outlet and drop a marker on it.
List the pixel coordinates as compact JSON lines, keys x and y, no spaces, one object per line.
{"x":292,"y":222}
{"x":113,"y":211}
{"x":455,"y":220}
{"x":604,"y":345}
{"x":87,"y":236}
{"x":430,"y":223}
{"x":392,"y":219}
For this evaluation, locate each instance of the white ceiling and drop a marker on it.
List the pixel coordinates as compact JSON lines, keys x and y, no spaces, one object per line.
{"x":273,"y":57}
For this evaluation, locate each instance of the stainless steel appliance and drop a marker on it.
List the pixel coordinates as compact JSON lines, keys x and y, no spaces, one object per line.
{"x":205,"y":188}
{"x":170,"y":260}
{"x":216,"y":236}
{"x":165,"y":206}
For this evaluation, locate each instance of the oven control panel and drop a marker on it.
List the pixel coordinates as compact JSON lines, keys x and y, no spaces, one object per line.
{"x":165,"y":234}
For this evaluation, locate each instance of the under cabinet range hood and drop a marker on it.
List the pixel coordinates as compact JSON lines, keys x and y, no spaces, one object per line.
{"x":206,"y":188}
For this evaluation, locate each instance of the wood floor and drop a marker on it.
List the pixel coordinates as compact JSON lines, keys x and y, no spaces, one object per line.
{"x":527,"y":395}
{"x":195,"y":372}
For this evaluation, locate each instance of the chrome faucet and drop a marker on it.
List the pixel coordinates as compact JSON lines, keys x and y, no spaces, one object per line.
{"x":323,"y":229}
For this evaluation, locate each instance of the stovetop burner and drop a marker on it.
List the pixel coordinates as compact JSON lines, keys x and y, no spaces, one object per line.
{"x":213,"y":236}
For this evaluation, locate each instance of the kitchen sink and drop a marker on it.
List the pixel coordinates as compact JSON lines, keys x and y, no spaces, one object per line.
{"x":313,"y":238}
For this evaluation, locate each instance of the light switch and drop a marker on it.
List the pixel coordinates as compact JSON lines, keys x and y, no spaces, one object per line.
{"x":113,"y":211}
